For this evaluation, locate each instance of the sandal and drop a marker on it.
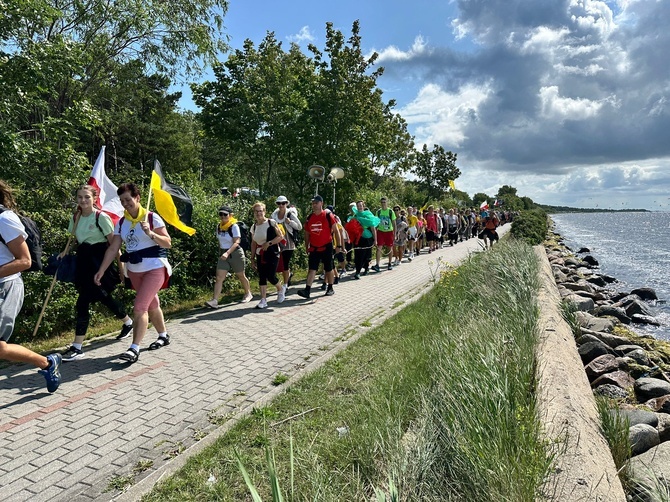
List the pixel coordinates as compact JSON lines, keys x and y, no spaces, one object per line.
{"x":130,"y":355}
{"x":162,"y":341}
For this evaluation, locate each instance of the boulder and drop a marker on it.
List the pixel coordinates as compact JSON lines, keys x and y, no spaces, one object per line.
{"x":637,"y":307}
{"x":640,"y":356}
{"x":619,"y":295}
{"x":611,"y":391}
{"x":642,"y":438}
{"x":652,"y":465}
{"x":559,"y":276}
{"x":636,"y":416}
{"x":571,"y":261}
{"x":608,"y":278}
{"x":581,"y":302}
{"x":590,"y":260}
{"x":616,"y":312}
{"x":625,"y":348}
{"x":579,"y":286}
{"x":589,"y":351}
{"x":597,"y":280}
{"x":586,"y":339}
{"x":606,"y":363}
{"x":659,"y":404}
{"x":610,"y":339}
{"x":645,"y":319}
{"x":647,"y":388}
{"x":594,"y":323}
{"x":618,"y":378}
{"x":583,"y":250}
{"x":645,"y":293}
{"x":663,"y":426}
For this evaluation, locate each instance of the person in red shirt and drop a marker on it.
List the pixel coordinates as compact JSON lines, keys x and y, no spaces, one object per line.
{"x":321,"y":230}
{"x":432,"y":234}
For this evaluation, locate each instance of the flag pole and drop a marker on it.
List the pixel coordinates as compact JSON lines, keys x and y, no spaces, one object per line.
{"x":146,"y":216}
{"x":53,"y":282}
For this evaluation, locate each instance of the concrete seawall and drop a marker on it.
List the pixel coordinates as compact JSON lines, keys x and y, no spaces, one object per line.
{"x":584,"y":469}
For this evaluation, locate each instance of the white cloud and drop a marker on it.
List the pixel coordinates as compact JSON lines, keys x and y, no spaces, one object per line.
{"x":392,"y":53}
{"x":543,"y":39}
{"x":443,"y":116}
{"x":304,"y":35}
{"x":557,"y":107}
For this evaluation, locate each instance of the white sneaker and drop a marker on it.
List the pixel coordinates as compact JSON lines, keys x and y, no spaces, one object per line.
{"x":212,"y":303}
{"x":247,"y":298}
{"x":285,"y":288}
{"x":263,"y":304}
{"x":281,"y":296}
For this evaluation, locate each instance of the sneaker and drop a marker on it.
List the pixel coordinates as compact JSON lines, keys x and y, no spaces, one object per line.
{"x":365,"y":272}
{"x":389,"y":267}
{"x":52,"y":373}
{"x":409,"y":258}
{"x":247,"y":298}
{"x":285,"y":289}
{"x":281,"y":296}
{"x":125,"y":332}
{"x":263,"y":304}
{"x":322,"y":277}
{"x":323,"y":286}
{"x":72,"y":354}
{"x":343,"y":273}
{"x":212,"y":304}
{"x":330,"y":292}
{"x":376,"y":268}
{"x":304,"y":293}
{"x":357,"y":276}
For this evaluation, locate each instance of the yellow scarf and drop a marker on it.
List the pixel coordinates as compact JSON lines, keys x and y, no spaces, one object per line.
{"x":141,"y":214}
{"x":225,"y":226}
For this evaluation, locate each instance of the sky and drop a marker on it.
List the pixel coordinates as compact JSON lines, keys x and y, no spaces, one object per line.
{"x":566,"y":100}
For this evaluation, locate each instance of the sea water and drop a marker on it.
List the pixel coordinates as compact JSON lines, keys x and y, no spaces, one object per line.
{"x":634,"y":247}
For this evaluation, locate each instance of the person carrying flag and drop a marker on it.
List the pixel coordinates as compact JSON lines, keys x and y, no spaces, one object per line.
{"x":94,"y":232}
{"x":146,"y":243}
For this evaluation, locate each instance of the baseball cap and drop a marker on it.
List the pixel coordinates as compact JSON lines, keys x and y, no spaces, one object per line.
{"x":330,"y":208}
{"x":317,"y":198}
{"x":281,"y":198}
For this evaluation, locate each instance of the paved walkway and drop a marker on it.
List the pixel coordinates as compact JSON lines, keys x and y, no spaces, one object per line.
{"x":108,"y":416}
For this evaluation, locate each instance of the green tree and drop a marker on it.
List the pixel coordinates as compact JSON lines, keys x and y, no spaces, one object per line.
{"x":434,"y":169}
{"x":480,"y":197}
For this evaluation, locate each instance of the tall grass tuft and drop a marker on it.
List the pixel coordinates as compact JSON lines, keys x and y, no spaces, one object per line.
{"x":615,"y":427}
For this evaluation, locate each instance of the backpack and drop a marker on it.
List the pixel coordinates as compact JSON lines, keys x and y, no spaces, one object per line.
{"x":34,"y":240}
{"x":245,"y":242}
{"x":296,"y":235}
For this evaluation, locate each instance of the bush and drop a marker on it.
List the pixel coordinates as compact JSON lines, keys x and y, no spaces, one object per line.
{"x":530,"y":226}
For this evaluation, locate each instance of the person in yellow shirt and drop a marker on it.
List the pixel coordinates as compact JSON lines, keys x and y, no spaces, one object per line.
{"x":412,"y":231}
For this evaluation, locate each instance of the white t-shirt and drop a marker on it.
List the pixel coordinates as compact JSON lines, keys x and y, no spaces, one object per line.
{"x":10,"y":228}
{"x":135,"y":240}
{"x":225,"y":239}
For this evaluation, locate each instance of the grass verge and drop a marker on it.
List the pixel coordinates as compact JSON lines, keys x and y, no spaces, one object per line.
{"x":437,"y":403}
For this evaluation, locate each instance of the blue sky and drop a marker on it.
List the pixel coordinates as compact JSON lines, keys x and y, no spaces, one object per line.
{"x":567,"y":100}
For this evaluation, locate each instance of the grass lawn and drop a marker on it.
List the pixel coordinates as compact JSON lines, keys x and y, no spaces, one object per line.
{"x":437,"y":403}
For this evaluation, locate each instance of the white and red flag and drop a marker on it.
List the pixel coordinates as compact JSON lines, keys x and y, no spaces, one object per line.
{"x":108,"y":201}
{"x":484,"y":205}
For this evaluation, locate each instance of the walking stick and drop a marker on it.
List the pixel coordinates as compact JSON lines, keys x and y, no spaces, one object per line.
{"x":53,"y":282}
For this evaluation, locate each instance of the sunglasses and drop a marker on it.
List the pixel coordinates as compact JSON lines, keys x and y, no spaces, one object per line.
{"x":223,"y":213}
{"x":281,"y":203}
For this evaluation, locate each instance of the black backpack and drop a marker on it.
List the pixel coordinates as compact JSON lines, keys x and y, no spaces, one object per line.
{"x":245,"y":243}
{"x":34,"y":240}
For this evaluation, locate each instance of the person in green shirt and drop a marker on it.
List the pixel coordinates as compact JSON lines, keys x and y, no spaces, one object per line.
{"x":385,"y":233}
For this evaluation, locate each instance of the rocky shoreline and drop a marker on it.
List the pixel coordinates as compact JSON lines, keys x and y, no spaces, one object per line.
{"x":632,"y":370}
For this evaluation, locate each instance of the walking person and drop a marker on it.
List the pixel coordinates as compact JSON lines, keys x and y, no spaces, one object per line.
{"x":14,"y":259}
{"x":94,"y":233}
{"x":146,"y":242}
{"x":232,"y":256}
{"x":288,"y":219}
{"x":265,"y":238}
{"x":400,"y":237}
{"x":321,"y":231}
{"x":412,"y":231}
{"x":363,"y":250}
{"x":385,"y":233}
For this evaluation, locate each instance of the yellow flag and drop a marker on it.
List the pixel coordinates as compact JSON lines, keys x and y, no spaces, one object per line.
{"x":452,"y":185}
{"x":166,"y":196}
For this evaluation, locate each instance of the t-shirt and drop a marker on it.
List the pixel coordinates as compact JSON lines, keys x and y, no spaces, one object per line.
{"x":386,"y":219}
{"x":225,"y":239}
{"x":318,"y":228}
{"x":431,"y":222}
{"x":136,"y":239}
{"x":88,"y":232}
{"x":411,"y":220}
{"x":260,"y":234}
{"x":10,"y":228}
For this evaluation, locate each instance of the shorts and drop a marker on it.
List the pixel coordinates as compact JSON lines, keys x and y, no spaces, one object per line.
{"x":411,"y":233}
{"x":325,"y":257}
{"x":385,"y":239}
{"x":284,"y":260}
{"x":11,"y":301}
{"x":235,"y":261}
{"x":431,"y":236}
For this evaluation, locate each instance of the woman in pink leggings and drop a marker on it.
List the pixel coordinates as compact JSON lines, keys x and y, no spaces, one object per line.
{"x":146,"y":241}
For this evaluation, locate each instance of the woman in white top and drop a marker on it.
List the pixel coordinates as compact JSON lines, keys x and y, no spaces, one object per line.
{"x":146,"y":241}
{"x":288,"y":219}
{"x":232,"y":257}
{"x":266,"y":236}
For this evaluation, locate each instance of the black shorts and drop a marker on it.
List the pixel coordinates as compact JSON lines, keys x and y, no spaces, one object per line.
{"x":430,"y":236}
{"x":325,"y":256}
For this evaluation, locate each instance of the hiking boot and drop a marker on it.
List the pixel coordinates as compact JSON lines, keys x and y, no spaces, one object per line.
{"x":52,"y":373}
{"x":303,"y":293}
{"x":125,"y":331}
{"x":376,"y":268}
{"x":330,"y":292}
{"x":72,"y":354}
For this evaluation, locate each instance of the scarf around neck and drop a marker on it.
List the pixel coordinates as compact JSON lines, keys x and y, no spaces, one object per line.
{"x":141,"y":214}
{"x":225,"y":226}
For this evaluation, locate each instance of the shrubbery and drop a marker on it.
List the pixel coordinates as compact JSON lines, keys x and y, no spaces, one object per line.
{"x":530,"y":226}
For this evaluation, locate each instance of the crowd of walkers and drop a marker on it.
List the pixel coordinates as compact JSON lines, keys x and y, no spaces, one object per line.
{"x":336,"y":246}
